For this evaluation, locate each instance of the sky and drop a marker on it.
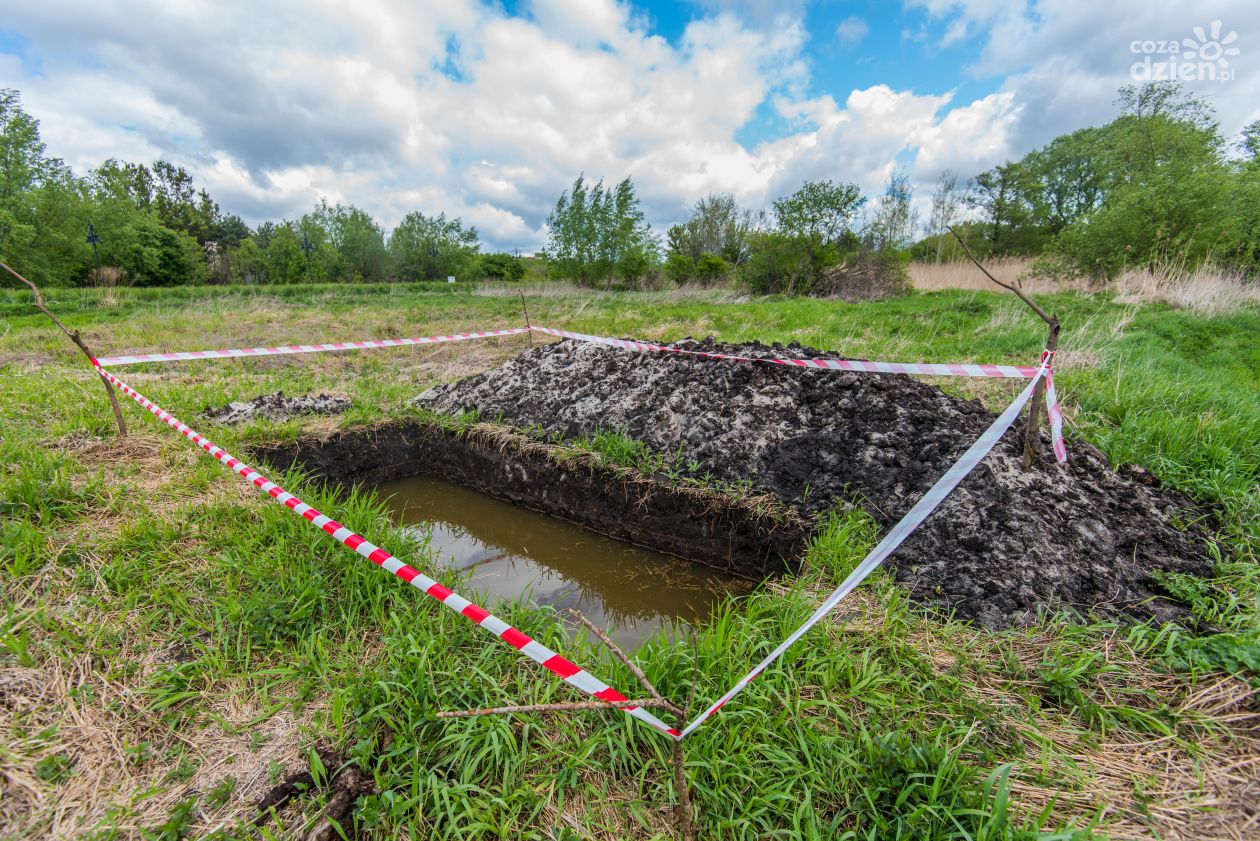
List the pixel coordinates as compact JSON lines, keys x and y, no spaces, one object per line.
{"x":489,"y":110}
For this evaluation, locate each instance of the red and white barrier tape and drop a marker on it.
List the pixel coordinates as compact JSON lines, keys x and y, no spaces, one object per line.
{"x":830,"y":364}
{"x":567,"y":671}
{"x":925,"y":506}
{"x":857,"y":365}
{"x":235,"y":353}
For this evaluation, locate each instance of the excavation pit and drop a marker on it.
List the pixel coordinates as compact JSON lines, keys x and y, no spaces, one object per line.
{"x":526,"y":519}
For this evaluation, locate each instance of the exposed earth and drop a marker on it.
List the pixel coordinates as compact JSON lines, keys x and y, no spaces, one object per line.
{"x":1004,"y":545}
{"x":277,"y":407}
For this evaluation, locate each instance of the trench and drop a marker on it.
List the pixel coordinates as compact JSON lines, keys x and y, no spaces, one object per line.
{"x":522,"y":519}
{"x":505,"y":552}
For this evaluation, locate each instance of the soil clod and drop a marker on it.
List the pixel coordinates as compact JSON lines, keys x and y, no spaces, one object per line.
{"x":277,"y":407}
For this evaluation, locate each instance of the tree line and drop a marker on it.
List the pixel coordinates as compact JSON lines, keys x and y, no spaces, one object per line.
{"x":149,"y":225}
{"x":1157,"y":183}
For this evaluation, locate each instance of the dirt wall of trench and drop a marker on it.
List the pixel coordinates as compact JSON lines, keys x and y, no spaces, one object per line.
{"x":748,"y":538}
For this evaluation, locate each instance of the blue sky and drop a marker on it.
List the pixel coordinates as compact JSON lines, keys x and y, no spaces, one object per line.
{"x":487,"y":110}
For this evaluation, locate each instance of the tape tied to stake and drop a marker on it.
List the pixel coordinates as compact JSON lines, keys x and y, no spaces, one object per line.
{"x":567,"y":671}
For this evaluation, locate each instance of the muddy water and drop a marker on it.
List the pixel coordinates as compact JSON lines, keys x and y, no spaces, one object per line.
{"x":506,"y":552}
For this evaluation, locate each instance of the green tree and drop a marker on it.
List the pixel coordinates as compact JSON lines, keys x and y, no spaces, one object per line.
{"x":1166,"y":193}
{"x":349,"y":245}
{"x":283,"y":260}
{"x":1006,"y":197}
{"x":1249,"y":141}
{"x":153,"y":255}
{"x":433,"y":248}
{"x":596,"y":234}
{"x":43,"y":207}
{"x":717,"y":226}
{"x":947,"y":201}
{"x":895,"y":219}
{"x":166,"y":190}
{"x":812,"y":232}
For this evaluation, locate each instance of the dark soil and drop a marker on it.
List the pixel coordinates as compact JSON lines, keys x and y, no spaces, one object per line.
{"x":347,"y":785}
{"x":277,"y":407}
{"x":1005,"y":544}
{"x":748,"y":538}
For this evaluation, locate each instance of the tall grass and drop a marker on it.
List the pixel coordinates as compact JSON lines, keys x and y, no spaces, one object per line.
{"x":1208,"y":288}
{"x":961,"y":274}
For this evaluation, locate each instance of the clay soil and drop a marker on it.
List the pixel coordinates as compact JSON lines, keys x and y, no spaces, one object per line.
{"x":1006,"y":544}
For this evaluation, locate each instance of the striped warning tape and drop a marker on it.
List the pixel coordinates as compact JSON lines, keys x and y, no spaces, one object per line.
{"x":865,"y":366}
{"x":567,"y":671}
{"x":235,"y":353}
{"x":925,"y":506}
{"x":858,"y":365}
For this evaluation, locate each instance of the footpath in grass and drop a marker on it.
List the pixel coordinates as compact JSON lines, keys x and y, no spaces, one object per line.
{"x":173,"y":645}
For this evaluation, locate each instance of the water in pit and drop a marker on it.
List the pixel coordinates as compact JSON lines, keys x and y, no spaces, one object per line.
{"x":509,"y":553}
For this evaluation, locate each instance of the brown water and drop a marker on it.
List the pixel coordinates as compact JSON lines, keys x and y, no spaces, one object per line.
{"x":511,"y":553}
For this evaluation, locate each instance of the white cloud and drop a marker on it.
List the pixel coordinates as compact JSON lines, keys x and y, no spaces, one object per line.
{"x":851,"y":31}
{"x":456,"y":106}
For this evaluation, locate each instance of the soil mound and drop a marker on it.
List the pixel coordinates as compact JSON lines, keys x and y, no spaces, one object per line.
{"x":1003,"y":545}
{"x":277,"y":407}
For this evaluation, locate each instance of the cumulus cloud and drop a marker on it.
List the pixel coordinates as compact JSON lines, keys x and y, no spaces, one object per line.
{"x":1065,"y":60}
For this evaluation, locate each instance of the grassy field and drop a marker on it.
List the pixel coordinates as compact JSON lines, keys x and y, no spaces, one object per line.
{"x":172,"y":644}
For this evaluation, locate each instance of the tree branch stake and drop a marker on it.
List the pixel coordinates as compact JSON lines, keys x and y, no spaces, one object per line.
{"x":1032,"y":426}
{"x":74,"y":337}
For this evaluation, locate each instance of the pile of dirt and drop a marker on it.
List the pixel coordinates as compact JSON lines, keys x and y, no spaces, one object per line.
{"x":277,"y":407}
{"x":1006,"y":542}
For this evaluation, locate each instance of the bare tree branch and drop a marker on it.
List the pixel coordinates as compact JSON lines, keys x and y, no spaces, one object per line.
{"x":1046,"y":317}
{"x":74,"y":337}
{"x":621,"y":655}
{"x":1032,"y":425}
{"x":528,"y":326}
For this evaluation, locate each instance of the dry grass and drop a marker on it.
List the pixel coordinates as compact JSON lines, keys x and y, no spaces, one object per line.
{"x":115,"y":747}
{"x":1209,"y":289}
{"x":931,"y":277}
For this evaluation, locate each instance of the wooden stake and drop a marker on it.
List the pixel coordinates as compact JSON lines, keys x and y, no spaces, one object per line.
{"x":74,"y":337}
{"x":528,"y":326}
{"x":1032,"y":425}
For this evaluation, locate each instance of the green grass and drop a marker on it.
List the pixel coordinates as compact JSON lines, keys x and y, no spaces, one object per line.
{"x":192,"y":618}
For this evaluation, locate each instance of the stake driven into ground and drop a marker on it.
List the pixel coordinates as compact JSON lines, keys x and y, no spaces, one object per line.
{"x":174,"y":647}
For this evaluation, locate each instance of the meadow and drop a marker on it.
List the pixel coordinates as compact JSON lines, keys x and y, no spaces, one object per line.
{"x":173,"y":645}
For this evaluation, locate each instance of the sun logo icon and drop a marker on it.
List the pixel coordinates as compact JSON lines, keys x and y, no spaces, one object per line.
{"x":1215,"y":48}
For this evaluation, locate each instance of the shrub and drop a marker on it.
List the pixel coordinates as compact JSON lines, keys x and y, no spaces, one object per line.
{"x":710,"y":268}
{"x":680,"y":268}
{"x":867,"y":275}
{"x":502,"y":267}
